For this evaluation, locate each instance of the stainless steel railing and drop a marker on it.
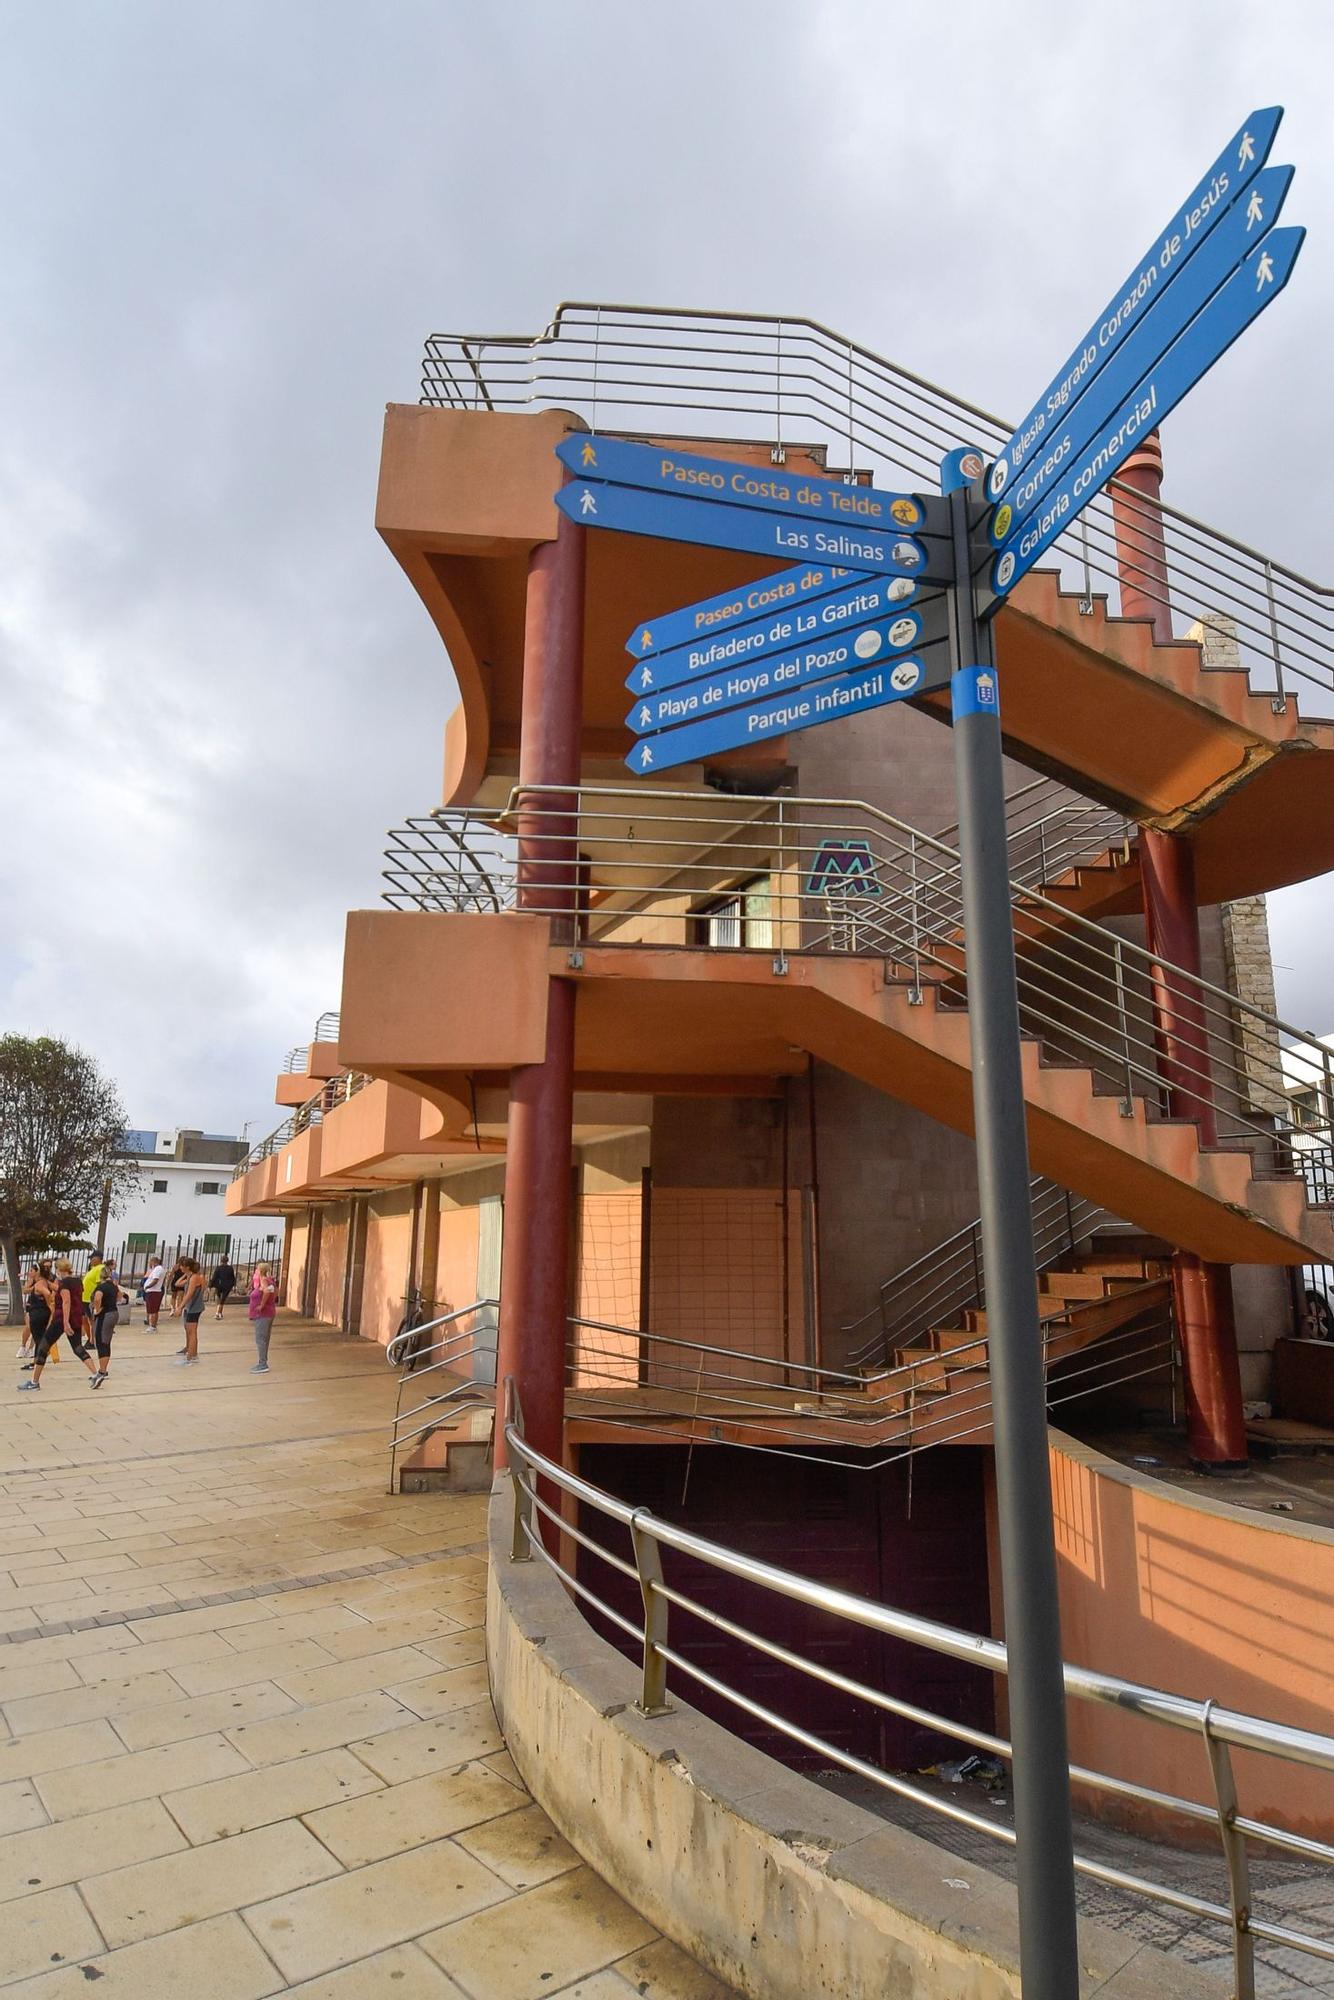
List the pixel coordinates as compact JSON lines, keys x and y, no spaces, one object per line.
{"x":666,"y":1387}
{"x":326,"y":1030}
{"x":784,"y":382}
{"x":647,"y":1554}
{"x":646,"y":867}
{"x":444,"y":1357}
{"x":338,"y":1090}
{"x":937,"y":1288}
{"x":1050,"y":830}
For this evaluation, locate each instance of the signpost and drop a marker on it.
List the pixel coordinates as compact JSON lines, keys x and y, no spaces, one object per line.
{"x":738,"y":483}
{"x":673,"y":517}
{"x":777,"y":673}
{"x":870,"y":597}
{"x":787,"y":591}
{"x":1204,"y":207}
{"x":1244,"y":224}
{"x":850,"y":627}
{"x":827,"y":701}
{"x":1242,"y":299}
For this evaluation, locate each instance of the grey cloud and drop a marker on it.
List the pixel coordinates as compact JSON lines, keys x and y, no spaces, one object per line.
{"x":226,"y":231}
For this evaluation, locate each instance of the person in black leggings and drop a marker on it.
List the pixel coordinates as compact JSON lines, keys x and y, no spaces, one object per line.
{"x":106,"y":1315}
{"x":37,"y":1305}
{"x":67,"y":1319}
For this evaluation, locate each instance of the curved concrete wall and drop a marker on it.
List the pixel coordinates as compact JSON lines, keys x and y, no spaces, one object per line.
{"x":1201,"y":1598}
{"x":775,"y":1885}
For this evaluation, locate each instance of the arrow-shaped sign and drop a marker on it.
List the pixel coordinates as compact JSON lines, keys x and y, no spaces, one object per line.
{"x":860,"y":603}
{"x":1242,"y":299}
{"x":735,"y":483}
{"x":787,"y":714}
{"x":1243,"y":225}
{"x":785,"y":591}
{"x":1203,"y":209}
{"x":747,"y":684}
{"x":631,"y":511}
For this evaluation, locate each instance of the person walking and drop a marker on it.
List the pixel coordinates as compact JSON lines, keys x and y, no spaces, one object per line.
{"x":67,"y":1318}
{"x":38,"y":1310}
{"x":223,"y":1284}
{"x":106,"y":1314}
{"x":194,"y":1295}
{"x":155,"y":1283}
{"x":263,"y":1306}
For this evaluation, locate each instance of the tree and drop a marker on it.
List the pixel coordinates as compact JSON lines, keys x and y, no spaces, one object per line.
{"x":62,"y":1130}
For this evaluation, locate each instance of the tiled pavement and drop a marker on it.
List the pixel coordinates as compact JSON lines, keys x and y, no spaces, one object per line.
{"x":245,"y":1741}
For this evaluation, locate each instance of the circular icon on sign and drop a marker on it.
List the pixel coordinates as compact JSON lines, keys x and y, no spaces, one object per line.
{"x":1005,"y":570}
{"x":1000,"y":478}
{"x":903,"y":631}
{"x":866,"y":645}
{"x":905,"y":675}
{"x":1003,"y":522}
{"x":906,"y":554}
{"x":906,"y":512}
{"x":900,"y":590}
{"x":970,"y":465}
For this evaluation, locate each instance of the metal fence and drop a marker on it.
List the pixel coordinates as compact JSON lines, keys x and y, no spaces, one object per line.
{"x":788,"y":381}
{"x":650,"y":1545}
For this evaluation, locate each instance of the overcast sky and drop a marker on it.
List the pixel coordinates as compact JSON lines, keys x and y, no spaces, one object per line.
{"x":224,"y":233}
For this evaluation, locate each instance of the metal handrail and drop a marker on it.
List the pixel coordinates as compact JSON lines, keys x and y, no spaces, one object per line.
{"x":950,"y":1278}
{"x":643,"y":867}
{"x":1050,"y":830}
{"x":335,"y":1091}
{"x":403,"y":1352}
{"x":768,"y":1403}
{"x":791,"y":382}
{"x":1220,"y":1730}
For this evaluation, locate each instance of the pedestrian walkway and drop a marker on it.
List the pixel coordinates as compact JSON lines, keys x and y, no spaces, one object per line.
{"x":247,"y":1746}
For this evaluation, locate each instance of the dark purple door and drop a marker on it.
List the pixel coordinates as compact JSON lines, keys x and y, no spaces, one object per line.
{"x":858,"y":1530}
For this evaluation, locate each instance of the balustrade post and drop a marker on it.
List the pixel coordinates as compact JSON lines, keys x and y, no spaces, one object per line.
{"x":1234,"y":1857}
{"x":648,"y":1565}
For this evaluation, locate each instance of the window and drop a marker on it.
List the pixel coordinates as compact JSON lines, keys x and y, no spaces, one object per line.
{"x":159,"y":1187}
{"x":208,"y":1187}
{"x":216,"y":1246}
{"x":1305,"y":1108}
{"x":743,"y":917}
{"x":140,"y":1240}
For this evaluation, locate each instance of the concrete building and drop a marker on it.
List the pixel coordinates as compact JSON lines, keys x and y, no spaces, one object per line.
{"x":180,"y":1203}
{"x":614,"y":1057}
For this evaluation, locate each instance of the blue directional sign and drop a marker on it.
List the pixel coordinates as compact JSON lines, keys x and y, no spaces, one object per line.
{"x":1244,"y":225}
{"x":871,"y":597}
{"x":1203,"y":209}
{"x":747,"y":684}
{"x":783,"y":715}
{"x":785,"y":591}
{"x":631,"y":511}
{"x":1242,"y":299}
{"x":734,"y":483}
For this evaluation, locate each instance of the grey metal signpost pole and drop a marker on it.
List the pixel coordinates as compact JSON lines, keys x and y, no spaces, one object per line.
{"x":1049,"y":1960}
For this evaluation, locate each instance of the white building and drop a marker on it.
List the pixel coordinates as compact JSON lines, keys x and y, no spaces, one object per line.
{"x":179,"y":1206}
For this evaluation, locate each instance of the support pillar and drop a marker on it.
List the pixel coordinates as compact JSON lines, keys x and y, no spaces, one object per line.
{"x":535,"y":1251}
{"x":1215,"y":1428}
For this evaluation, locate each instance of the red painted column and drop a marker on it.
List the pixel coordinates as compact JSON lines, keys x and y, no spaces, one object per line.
{"x":1215,"y":1428}
{"x":535,"y":1251}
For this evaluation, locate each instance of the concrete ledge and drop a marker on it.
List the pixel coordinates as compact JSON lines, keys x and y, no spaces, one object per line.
{"x":775,"y":1885}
